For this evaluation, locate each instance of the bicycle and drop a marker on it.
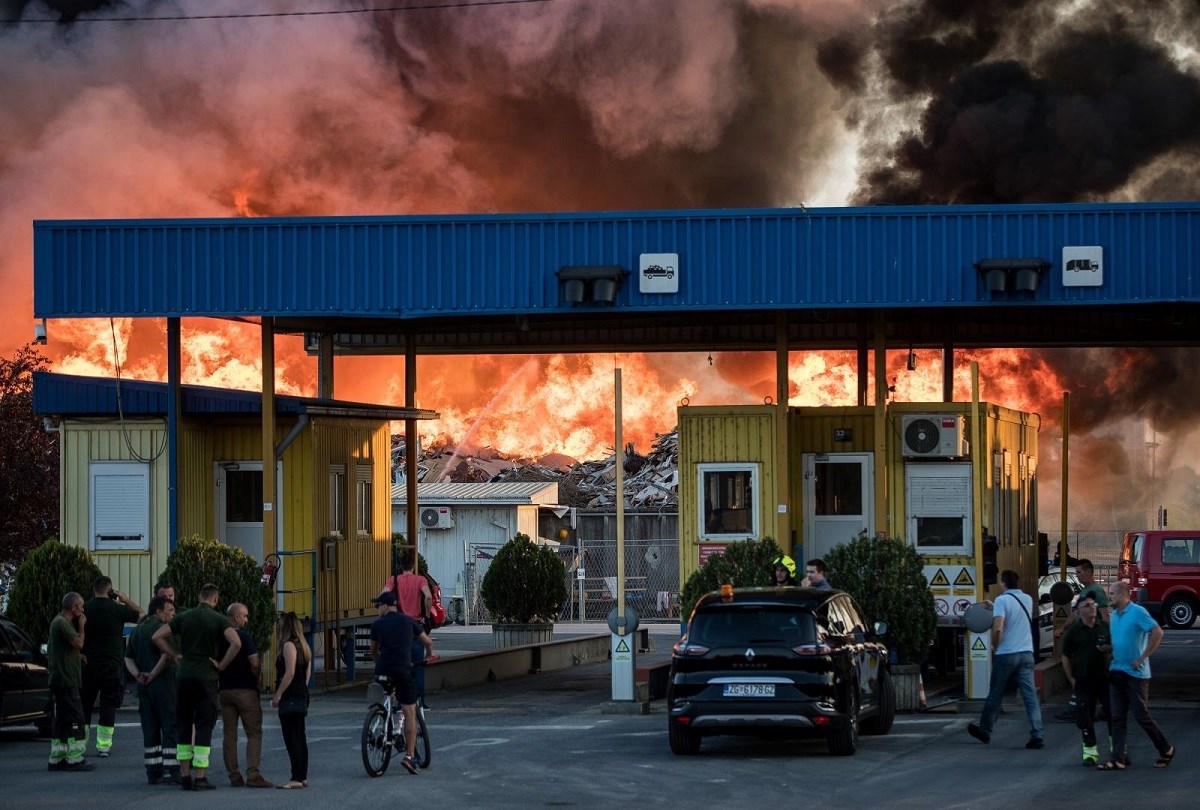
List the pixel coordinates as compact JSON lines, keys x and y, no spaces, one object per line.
{"x":383,"y":730}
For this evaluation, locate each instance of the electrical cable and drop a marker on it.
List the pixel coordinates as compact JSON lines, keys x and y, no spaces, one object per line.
{"x":120,"y":408}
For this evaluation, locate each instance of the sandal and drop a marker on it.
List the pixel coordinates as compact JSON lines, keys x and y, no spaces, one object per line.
{"x":410,"y":765}
{"x":1165,"y":759}
{"x":1111,"y":765}
{"x":291,"y":786}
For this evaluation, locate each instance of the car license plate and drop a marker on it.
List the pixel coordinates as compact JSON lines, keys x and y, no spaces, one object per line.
{"x":749,"y":690}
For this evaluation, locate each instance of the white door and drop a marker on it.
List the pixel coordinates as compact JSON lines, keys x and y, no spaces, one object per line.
{"x":238,"y":504}
{"x":839,"y":500}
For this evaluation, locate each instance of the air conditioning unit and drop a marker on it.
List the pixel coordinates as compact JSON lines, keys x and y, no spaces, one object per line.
{"x":933,"y":435}
{"x":437,"y":517}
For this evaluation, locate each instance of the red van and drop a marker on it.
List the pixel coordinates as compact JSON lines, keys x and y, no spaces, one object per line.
{"x":1163,"y":571}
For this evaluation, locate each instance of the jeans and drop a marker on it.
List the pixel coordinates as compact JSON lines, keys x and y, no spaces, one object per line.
{"x":296,"y":742}
{"x":1005,"y":667}
{"x":1126,"y":692}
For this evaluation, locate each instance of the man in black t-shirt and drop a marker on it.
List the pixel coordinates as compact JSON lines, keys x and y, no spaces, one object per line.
{"x":240,"y":698}
{"x":392,"y":637}
{"x":108,"y":611}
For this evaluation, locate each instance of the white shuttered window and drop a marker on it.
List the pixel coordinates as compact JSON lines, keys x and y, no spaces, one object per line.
{"x":119,"y":503}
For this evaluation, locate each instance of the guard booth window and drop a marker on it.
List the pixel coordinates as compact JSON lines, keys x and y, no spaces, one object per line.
{"x":243,"y":496}
{"x":728,"y":494}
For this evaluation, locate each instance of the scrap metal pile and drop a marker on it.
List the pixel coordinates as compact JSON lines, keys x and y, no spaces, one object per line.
{"x":651,"y":481}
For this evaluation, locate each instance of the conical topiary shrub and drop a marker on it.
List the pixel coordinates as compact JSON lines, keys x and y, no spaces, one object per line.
{"x":886,"y":579}
{"x":744,"y":564}
{"x":49,"y":573}
{"x":525,"y":583}
{"x":197,"y":561}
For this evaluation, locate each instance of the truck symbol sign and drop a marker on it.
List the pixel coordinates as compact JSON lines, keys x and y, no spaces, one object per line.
{"x":1082,"y":265}
{"x":657,"y":271}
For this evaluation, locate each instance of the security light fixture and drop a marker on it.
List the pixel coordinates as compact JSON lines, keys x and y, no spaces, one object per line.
{"x":1020,"y":275}
{"x":39,"y":332}
{"x":602,"y":281}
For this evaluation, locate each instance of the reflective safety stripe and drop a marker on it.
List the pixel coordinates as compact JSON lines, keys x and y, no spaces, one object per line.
{"x":104,"y":737}
{"x":183,"y":752}
{"x":200,"y":760}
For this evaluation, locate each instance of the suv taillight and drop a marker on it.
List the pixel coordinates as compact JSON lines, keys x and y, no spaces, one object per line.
{"x":685,"y":648}
{"x":821,"y":648}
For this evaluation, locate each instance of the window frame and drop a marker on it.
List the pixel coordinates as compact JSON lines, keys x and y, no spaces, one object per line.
{"x":337,"y":500}
{"x":750,"y":467}
{"x":364,"y":501}
{"x":137,"y":538}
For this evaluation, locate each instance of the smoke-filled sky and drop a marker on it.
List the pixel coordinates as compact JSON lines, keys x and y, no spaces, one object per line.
{"x":607,"y":104}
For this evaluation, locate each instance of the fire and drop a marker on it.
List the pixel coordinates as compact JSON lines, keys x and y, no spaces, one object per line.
{"x":531,"y":406}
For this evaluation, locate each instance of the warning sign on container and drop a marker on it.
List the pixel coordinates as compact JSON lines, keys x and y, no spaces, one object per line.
{"x":964,"y":578}
{"x":979,"y":651}
{"x":939,"y":578}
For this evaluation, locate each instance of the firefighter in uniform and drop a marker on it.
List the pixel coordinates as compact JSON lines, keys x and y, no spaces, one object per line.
{"x":108,"y":611}
{"x":199,"y":630}
{"x":154,"y":671}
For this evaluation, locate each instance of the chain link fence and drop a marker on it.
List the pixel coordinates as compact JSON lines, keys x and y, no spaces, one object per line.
{"x":651,"y":569}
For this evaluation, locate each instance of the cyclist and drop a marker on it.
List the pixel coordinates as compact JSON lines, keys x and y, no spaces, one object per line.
{"x":783,"y":571}
{"x":392,"y":638}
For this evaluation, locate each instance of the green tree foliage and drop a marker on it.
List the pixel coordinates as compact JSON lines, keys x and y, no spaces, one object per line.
{"x":400,"y":547}
{"x":744,"y":564}
{"x":886,"y":578}
{"x":197,"y":561}
{"x":524,"y":583}
{"x":29,"y":474}
{"x":49,"y":573}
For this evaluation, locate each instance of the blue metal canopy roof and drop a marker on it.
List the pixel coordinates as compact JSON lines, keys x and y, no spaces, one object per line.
{"x":457,"y":283}
{"x":68,"y":395}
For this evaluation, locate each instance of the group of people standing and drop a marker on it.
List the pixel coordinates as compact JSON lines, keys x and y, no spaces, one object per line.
{"x":189,"y":666}
{"x":1106,"y":651}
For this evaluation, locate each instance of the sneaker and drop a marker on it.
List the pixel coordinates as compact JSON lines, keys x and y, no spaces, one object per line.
{"x":258,"y":781}
{"x":203,"y":784}
{"x":61,"y":765}
{"x":81,"y":765}
{"x":975,"y":731}
{"x":236,"y":780}
{"x":410,"y":765}
{"x":1035,"y":743}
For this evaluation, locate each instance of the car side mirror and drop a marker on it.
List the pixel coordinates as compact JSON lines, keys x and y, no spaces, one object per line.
{"x":881,"y":628}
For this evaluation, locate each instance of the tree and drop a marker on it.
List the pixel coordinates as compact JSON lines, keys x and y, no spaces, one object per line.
{"x":197,"y":561}
{"x":886,"y":578}
{"x":525,"y":583}
{"x":28,"y":461}
{"x":49,"y":572}
{"x":745,"y":564}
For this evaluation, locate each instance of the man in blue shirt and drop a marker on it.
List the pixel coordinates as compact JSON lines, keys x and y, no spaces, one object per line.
{"x":392,"y":637}
{"x":1012,"y":657}
{"x":1135,"y":635}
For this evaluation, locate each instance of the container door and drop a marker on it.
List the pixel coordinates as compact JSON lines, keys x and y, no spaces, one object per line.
{"x":239,"y":508}
{"x":839,"y":500}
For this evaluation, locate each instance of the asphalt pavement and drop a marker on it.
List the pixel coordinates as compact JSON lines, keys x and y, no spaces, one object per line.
{"x":553,"y":740}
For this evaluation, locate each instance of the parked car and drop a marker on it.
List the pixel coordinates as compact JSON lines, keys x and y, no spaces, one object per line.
{"x":24,"y":680}
{"x":1046,"y":604}
{"x":781,"y":662}
{"x":1163,"y":572}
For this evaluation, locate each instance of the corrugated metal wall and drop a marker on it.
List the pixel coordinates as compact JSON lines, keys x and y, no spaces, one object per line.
{"x":445,"y":550}
{"x":794,"y":258}
{"x":363,"y":564}
{"x":133,"y":572}
{"x":720,"y":434}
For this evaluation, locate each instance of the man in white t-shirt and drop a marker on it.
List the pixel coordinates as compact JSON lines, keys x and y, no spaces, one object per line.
{"x":1012,"y":657}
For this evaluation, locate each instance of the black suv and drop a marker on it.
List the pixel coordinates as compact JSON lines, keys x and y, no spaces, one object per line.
{"x":779,"y":661}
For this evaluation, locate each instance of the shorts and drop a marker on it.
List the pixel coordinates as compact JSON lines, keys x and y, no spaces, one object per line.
{"x":402,"y":681}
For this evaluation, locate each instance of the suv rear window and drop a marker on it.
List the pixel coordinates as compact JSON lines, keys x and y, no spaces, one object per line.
{"x":737,"y":625}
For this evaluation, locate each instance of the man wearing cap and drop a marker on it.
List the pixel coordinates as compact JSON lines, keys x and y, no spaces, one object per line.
{"x":392,"y":638}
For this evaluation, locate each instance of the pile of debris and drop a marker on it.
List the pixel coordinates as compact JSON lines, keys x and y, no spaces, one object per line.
{"x":651,"y":481}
